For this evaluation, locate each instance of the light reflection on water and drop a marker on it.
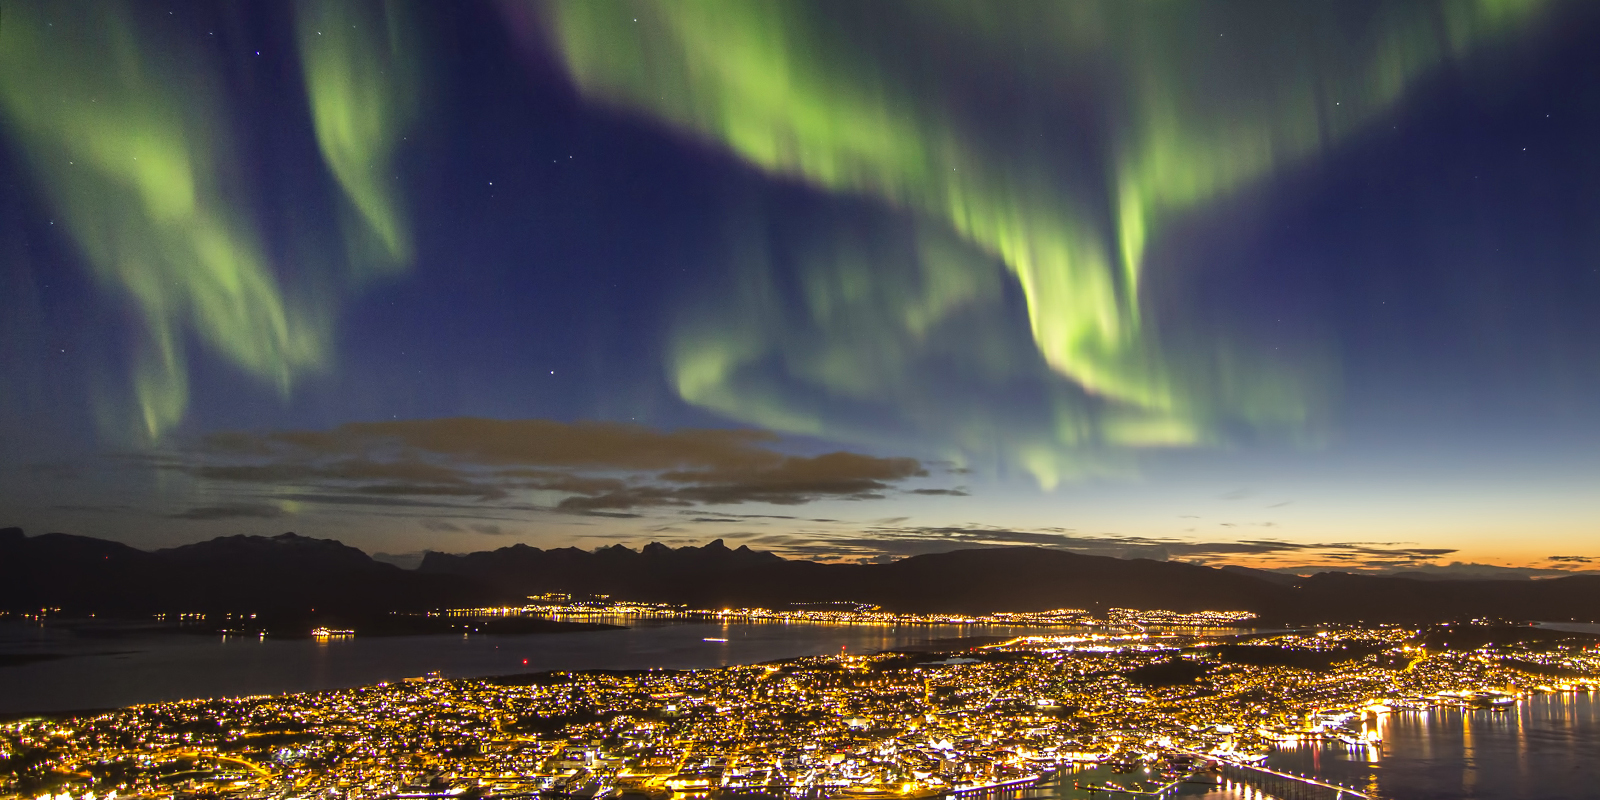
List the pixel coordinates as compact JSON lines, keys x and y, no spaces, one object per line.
{"x":127,"y":670}
{"x":1546,"y":747}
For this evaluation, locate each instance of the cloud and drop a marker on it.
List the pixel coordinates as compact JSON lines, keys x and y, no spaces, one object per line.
{"x":445,"y":490}
{"x":332,"y":498}
{"x":1570,"y":559}
{"x":107,"y":508}
{"x":598,"y":445}
{"x":732,"y":515}
{"x":945,"y":492}
{"x":893,"y":540}
{"x":369,"y":474}
{"x":625,"y":498}
{"x":1375,"y":553}
{"x":890,"y":539}
{"x":1472,"y":571}
{"x":439,"y":525}
{"x":548,"y":481}
{"x":230,"y":511}
{"x":596,"y":468}
{"x":54,"y":471}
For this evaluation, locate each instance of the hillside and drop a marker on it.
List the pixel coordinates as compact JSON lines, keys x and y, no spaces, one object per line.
{"x":291,"y":573}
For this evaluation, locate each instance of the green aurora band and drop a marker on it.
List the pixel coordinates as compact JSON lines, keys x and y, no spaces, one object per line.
{"x":362,"y":89}
{"x":1053,"y":142}
{"x":126,"y":132}
{"x":127,"y":147}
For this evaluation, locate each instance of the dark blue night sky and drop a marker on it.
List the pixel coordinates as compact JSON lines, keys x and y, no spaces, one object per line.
{"x":1287,"y":285}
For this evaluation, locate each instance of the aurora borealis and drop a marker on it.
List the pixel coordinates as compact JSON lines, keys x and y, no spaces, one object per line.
{"x":1277,"y":284}
{"x":837,"y":96}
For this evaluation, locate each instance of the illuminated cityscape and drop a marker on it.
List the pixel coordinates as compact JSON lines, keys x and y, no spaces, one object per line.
{"x":845,"y":613}
{"x":1135,"y":710}
{"x":799,"y":400}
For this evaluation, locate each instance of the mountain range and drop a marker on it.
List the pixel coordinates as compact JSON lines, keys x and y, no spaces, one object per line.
{"x":278,"y":574}
{"x":292,"y":573}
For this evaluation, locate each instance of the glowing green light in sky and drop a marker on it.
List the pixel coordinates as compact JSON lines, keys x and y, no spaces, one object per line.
{"x":1057,"y":140}
{"x":126,"y":132}
{"x":129,"y":150}
{"x":362,"y":95}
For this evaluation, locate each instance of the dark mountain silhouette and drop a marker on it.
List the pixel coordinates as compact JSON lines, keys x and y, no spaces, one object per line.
{"x":1343,"y":596}
{"x":979,"y":581}
{"x":290,"y":573}
{"x":655,"y":572}
{"x":1008,"y":579}
{"x":276,"y":575}
{"x":1281,"y":578}
{"x":60,"y":569}
{"x":287,"y":551}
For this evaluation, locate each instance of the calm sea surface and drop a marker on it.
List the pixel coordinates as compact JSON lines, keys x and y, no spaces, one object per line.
{"x":112,"y":671}
{"x":1545,"y":748}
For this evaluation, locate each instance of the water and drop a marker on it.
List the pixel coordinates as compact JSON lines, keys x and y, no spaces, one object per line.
{"x":1547,"y":747}
{"x":109,"y":672}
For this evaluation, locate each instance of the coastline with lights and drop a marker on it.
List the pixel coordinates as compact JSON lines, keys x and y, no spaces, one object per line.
{"x":565,"y":606}
{"x":1125,"y":711}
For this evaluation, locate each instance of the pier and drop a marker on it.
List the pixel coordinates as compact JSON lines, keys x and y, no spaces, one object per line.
{"x":1256,"y":775}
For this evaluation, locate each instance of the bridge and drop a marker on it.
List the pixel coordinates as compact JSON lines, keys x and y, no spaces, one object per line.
{"x":1255,"y":772}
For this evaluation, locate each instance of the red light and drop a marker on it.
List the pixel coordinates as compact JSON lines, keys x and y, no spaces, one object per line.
{"x":524,"y":661}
